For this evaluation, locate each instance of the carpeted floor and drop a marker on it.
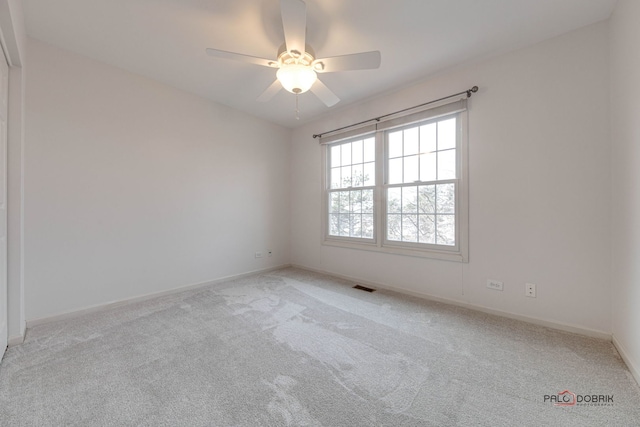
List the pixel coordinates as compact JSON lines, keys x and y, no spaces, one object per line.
{"x":297,"y":348}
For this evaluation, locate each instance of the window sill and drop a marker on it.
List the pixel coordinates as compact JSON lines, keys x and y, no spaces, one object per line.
{"x":395,"y":250}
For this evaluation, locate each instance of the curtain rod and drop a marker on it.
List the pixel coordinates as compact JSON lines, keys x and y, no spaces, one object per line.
{"x":377,"y":119}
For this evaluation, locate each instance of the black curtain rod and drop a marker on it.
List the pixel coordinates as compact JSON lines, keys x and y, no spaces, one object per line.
{"x":377,"y":119}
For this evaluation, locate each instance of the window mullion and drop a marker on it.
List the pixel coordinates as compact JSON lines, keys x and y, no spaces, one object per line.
{"x":380,"y":204}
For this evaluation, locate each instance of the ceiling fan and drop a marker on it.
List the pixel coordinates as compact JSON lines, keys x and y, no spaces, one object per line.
{"x":296,"y":61}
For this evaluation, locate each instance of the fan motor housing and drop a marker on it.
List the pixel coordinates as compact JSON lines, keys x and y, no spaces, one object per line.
{"x":287,"y":58}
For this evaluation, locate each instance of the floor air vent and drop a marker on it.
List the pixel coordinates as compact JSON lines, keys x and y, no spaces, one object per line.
{"x":363,"y":288}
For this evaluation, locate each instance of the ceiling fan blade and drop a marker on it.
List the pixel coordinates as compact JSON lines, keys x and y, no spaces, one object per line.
{"x":294,"y":22}
{"x":324,"y":93}
{"x":270,"y":92}
{"x":355,"y":61}
{"x":216,"y":53}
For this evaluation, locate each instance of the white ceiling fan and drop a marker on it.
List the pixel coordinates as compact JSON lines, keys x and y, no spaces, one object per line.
{"x":296,"y":62}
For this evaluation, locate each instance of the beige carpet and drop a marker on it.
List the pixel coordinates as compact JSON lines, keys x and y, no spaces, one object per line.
{"x":297,"y":348}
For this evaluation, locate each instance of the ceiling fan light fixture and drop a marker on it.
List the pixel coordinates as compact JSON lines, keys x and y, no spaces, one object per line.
{"x":296,"y":60}
{"x":296,"y":78}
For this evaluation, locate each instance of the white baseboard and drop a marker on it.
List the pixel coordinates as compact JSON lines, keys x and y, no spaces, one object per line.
{"x":15,"y":340}
{"x":546,"y":323}
{"x":112,"y":304}
{"x":631,"y":364}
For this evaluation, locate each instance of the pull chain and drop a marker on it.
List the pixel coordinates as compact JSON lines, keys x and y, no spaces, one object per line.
{"x":297,"y":109}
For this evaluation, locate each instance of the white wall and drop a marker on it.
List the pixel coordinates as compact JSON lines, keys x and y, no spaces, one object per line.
{"x":625,"y":166}
{"x":539,"y":186}
{"x":133,"y":187}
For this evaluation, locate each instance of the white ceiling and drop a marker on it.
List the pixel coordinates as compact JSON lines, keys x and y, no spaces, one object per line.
{"x":166,"y":40}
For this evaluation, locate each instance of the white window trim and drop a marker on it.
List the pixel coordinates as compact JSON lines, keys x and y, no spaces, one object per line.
{"x":379,"y":243}
{"x":355,"y":242}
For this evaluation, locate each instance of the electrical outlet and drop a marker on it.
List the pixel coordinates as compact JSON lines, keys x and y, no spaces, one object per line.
{"x":258,"y":254}
{"x":269,"y":252}
{"x":530,"y":290}
{"x":496,"y":285}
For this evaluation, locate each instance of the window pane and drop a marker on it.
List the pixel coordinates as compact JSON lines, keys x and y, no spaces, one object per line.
{"x":369,"y":173}
{"x":356,"y":201}
{"x":394,"y":227}
{"x":335,"y":178}
{"x":411,"y":142}
{"x":446,"y":232}
{"x":409,"y":228}
{"x":357,"y":179}
{"x":427,"y":199}
{"x":346,"y":177}
{"x":334,"y":222}
{"x":355,"y":226}
{"x":446,"y":198}
{"x":410,"y":200}
{"x":369,"y":150}
{"x":367,"y":226}
{"x":447,"y":134}
{"x":350,"y":222}
{"x":346,"y":154}
{"x":344,"y":201}
{"x":428,"y":167}
{"x":367,"y":201}
{"x":427,"y":229}
{"x":356,"y":152}
{"x":394,"y":200}
{"x":446,"y":164}
{"x":411,"y":169}
{"x":395,"y":144}
{"x":344,"y":225}
{"x":335,"y":156}
{"x":395,"y":171}
{"x":334,"y":202}
{"x":428,"y":138}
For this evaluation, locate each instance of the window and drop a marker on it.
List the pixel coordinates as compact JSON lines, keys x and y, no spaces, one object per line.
{"x":352,"y":175}
{"x":421,"y":181}
{"x":400,"y":188}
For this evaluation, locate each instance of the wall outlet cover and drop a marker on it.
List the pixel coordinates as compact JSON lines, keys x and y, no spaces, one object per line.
{"x":496,"y":285}
{"x":530,"y":290}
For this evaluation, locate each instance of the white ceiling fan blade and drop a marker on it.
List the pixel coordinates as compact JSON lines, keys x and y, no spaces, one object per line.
{"x":355,"y":61}
{"x":270,"y":92}
{"x":324,"y":93}
{"x":294,"y":22}
{"x":243,"y":58}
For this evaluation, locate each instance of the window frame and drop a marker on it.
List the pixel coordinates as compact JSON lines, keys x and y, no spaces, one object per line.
{"x":327,"y":190}
{"x":380,"y":243}
{"x":386,"y":185}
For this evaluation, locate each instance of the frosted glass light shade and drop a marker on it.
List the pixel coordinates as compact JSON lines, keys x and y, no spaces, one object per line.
{"x":296,"y":78}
